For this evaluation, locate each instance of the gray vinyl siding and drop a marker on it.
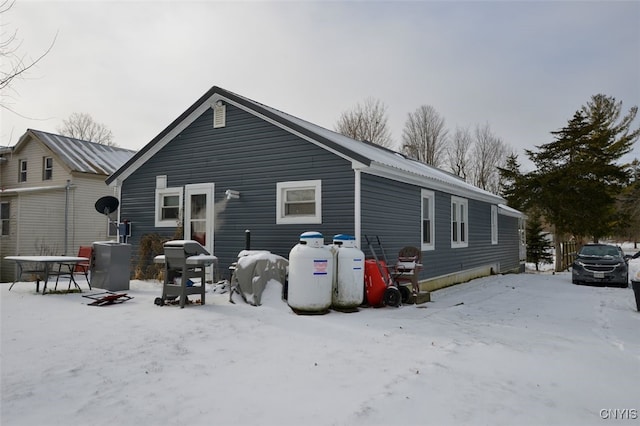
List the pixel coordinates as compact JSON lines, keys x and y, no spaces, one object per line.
{"x":392,"y":211}
{"x":509,"y":243}
{"x":248,"y":155}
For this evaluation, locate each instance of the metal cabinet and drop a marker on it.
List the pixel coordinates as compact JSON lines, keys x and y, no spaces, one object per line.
{"x":111,"y":266}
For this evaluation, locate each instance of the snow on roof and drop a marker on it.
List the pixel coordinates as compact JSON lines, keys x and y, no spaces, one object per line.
{"x":387,"y":158}
{"x":84,"y":156}
{"x":510,"y":211}
{"x":369,"y":157}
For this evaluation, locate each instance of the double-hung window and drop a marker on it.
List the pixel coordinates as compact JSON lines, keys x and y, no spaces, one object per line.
{"x":47,"y":168}
{"x":168,"y":206}
{"x":22,"y":172}
{"x":4,"y":217}
{"x":428,"y":222}
{"x":459,"y":222}
{"x":299,"y":202}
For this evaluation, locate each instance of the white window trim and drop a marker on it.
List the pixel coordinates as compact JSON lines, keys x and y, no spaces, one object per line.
{"x":281,"y":187}
{"x":432,"y":202}
{"x":456,"y":202}
{"x":46,"y":169}
{"x":494,"y":225}
{"x":160,"y":193}
{"x":22,"y":170}
{"x":7,"y":219}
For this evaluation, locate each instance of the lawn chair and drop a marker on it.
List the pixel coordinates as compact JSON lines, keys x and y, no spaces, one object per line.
{"x":408,"y":267}
{"x":84,"y":267}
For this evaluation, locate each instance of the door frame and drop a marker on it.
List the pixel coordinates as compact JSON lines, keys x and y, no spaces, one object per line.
{"x":208,"y":190}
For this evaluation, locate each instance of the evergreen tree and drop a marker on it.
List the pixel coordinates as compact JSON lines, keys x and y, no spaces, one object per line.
{"x":629,"y":206}
{"x":511,"y":182}
{"x":538,"y":246}
{"x":577,"y":180}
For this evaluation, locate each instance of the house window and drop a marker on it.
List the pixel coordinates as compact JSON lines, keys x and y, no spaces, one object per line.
{"x":168,"y":206}
{"x":494,"y":224}
{"x":459,"y":220}
{"x":22,"y":176}
{"x":299,"y":202}
{"x":47,"y":168}
{"x":4,"y":218}
{"x":428,"y":220}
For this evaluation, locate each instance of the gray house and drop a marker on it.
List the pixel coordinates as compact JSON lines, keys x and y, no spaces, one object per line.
{"x":230,"y":164}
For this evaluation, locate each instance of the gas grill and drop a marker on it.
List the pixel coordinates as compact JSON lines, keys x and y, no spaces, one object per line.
{"x":184,"y":261}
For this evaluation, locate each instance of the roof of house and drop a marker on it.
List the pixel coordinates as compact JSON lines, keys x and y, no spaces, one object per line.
{"x":368,"y":157}
{"x":78,"y":155}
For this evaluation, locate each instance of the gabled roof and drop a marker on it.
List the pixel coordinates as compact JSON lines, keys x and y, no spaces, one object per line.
{"x":78,"y":155}
{"x":368,"y":157}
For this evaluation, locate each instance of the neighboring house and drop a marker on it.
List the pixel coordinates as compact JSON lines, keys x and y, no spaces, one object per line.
{"x":48,"y":187}
{"x":293,"y":176}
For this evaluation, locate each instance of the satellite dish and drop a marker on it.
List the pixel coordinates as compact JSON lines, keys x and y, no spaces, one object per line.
{"x":107,"y":205}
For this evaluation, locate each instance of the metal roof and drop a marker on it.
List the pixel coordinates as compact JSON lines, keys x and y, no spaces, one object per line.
{"x":83,"y":156}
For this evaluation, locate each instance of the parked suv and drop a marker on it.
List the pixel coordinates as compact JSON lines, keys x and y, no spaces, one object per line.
{"x":602,"y":264}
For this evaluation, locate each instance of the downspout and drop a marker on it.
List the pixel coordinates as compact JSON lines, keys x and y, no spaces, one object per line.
{"x":357,"y":207}
{"x":66,"y":215}
{"x":119,"y":238}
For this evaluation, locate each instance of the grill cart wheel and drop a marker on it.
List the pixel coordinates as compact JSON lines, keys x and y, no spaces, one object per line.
{"x":392,"y":297}
{"x":159,"y":301}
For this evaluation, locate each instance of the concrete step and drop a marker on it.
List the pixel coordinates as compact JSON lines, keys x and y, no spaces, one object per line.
{"x":420,"y":298}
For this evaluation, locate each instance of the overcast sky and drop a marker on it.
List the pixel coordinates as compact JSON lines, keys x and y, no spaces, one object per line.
{"x":522,"y":67}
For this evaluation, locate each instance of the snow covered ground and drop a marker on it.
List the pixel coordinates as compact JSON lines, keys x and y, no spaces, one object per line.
{"x":502,"y":350}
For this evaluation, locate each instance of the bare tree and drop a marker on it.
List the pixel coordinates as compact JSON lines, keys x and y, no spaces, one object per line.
{"x":82,"y":126}
{"x":13,"y":64}
{"x":424,"y":136}
{"x":366,"y":122}
{"x":489,"y":152}
{"x":458,"y":152}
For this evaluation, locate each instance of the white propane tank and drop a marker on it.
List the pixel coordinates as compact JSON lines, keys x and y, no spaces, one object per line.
{"x":348,"y":290}
{"x":310,"y":275}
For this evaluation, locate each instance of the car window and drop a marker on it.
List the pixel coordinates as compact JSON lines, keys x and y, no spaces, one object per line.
{"x":612,"y":251}
{"x":600,"y":251}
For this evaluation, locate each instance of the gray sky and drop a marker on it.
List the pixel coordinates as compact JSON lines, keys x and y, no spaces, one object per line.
{"x":522,"y":67}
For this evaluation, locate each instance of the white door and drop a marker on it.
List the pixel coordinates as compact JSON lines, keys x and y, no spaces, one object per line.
{"x":199,"y":217}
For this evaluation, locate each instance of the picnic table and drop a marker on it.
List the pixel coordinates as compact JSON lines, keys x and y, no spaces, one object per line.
{"x":43,"y":268}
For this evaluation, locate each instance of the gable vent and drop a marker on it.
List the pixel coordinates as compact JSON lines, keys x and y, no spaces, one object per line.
{"x":219,"y":115}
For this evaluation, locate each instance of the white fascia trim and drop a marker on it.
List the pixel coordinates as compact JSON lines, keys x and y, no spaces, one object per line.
{"x":510,"y":211}
{"x":288,"y":129}
{"x":381,"y":170}
{"x":209,"y":103}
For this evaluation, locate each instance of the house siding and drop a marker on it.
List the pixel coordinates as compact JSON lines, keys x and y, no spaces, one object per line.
{"x":251,"y":155}
{"x":86,"y":224}
{"x":248,"y":155}
{"x":37,"y":223}
{"x":392,"y":211}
